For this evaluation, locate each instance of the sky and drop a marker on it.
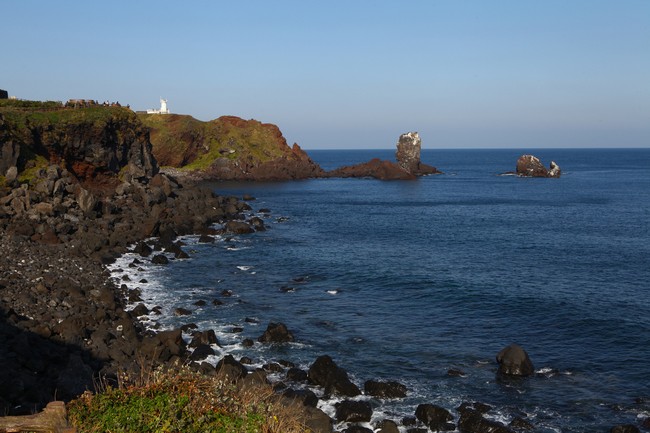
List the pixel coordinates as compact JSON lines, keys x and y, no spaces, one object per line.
{"x":352,"y":74}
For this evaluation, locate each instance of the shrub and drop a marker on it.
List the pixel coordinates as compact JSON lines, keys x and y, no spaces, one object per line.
{"x":183,"y":401}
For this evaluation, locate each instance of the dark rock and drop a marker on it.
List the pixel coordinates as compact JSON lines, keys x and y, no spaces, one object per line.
{"x":276,"y":333}
{"x":317,"y":421}
{"x":182,"y":312}
{"x":239,"y":227}
{"x":231,"y":368}
{"x":140,"y":310}
{"x":454,"y":372}
{"x":159,"y":259}
{"x":206,"y":239}
{"x":200,"y":303}
{"x":531,"y":166}
{"x":519,"y":423}
{"x":514,"y":361}
{"x":143,"y":249}
{"x":387,"y":426}
{"x":435,"y":417}
{"x":325,"y":373}
{"x":257,"y":223}
{"x":248,"y":342}
{"x":626,"y":428}
{"x":273,"y":367}
{"x":217,"y":302}
{"x":471,"y":421}
{"x":353,"y":411}
{"x":385,"y":389}
{"x":205,"y":337}
{"x":201,"y":352}
{"x":409,"y":421}
{"x":357,"y":429}
{"x":296,"y":374}
{"x":307,"y":397}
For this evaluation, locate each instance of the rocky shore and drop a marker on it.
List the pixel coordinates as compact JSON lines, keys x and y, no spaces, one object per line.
{"x":76,"y":195}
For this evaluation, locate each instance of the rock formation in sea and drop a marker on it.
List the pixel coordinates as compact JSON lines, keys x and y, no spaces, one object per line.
{"x":531,"y":166}
{"x":408,"y":164}
{"x":514,"y":361}
{"x":408,"y":151}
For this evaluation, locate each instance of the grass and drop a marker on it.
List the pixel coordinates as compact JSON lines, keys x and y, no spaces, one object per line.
{"x":183,"y":401}
{"x":184,"y":142}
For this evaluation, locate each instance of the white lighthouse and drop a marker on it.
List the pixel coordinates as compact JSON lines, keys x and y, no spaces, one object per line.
{"x":163,"y":108}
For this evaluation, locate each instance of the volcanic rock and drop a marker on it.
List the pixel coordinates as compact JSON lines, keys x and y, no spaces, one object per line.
{"x":435,"y":417}
{"x":408,"y":155}
{"x":385,"y":389}
{"x":531,"y":166}
{"x":276,"y":333}
{"x":324,"y":372}
{"x":353,"y":411}
{"x":514,"y":361}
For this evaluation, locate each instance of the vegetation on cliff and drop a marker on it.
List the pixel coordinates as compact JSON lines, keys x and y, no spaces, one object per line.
{"x":185,"y":401}
{"x":226,"y":148}
{"x":89,"y":142}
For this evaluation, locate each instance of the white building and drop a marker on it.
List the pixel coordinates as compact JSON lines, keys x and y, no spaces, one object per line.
{"x":163,"y":108}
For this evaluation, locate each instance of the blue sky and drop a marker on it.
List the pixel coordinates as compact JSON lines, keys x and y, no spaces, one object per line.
{"x":352,"y":74}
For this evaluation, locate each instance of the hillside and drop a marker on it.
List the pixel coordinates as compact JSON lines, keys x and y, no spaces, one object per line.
{"x":227,"y":148}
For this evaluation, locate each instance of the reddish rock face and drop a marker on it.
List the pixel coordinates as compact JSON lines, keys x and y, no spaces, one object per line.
{"x":375,"y":168}
{"x":531,"y":166}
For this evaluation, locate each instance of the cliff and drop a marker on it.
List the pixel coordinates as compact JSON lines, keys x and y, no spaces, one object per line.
{"x":94,"y":144}
{"x":227,"y":148}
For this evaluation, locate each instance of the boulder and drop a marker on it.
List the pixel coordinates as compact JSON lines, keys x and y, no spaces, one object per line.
{"x":276,"y":333}
{"x":357,"y":429}
{"x":472,"y":421}
{"x":514,"y":361}
{"x":201,"y":352}
{"x":387,"y":426}
{"x":324,"y":372}
{"x":625,"y":428}
{"x":231,"y":368}
{"x":435,"y":417}
{"x":317,"y":421}
{"x":384,"y":389}
{"x":205,"y":337}
{"x":239,"y":227}
{"x":353,"y":411}
{"x":306,"y":396}
{"x":531,"y":166}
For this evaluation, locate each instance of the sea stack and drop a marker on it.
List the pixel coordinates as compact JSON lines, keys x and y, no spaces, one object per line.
{"x":531,"y":166}
{"x":409,"y":146}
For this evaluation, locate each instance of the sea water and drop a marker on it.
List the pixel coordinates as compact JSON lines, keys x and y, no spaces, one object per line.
{"x":405,"y":280}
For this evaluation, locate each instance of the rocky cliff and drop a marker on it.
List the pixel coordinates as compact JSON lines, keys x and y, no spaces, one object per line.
{"x":227,"y":148}
{"x":94,"y":144}
{"x":78,"y":187}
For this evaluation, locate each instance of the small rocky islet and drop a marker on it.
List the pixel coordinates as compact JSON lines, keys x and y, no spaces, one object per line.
{"x":79,"y":189}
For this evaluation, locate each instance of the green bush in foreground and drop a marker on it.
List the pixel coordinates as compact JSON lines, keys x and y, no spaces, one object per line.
{"x":185,"y":402}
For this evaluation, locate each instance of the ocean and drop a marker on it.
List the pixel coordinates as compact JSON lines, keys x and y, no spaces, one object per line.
{"x":405,"y":280}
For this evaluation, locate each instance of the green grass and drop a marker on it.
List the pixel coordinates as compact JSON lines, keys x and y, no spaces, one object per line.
{"x":183,"y":401}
